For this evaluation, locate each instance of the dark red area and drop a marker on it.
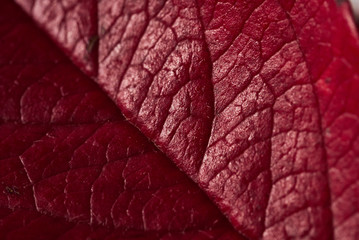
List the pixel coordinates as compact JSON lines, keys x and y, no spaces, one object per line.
{"x":255,"y":101}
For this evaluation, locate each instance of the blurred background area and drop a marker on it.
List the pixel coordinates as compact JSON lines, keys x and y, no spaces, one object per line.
{"x":355,"y":6}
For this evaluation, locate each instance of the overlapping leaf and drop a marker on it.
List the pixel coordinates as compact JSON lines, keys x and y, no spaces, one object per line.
{"x":72,"y":167}
{"x":254,"y":100}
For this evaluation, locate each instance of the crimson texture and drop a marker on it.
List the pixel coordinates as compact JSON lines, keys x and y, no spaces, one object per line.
{"x":203,"y":111}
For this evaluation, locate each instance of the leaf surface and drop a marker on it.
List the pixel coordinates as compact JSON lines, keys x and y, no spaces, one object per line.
{"x":72,"y":166}
{"x":253,"y":100}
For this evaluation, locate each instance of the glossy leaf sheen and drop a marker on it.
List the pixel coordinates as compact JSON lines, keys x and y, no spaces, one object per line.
{"x":255,"y":101}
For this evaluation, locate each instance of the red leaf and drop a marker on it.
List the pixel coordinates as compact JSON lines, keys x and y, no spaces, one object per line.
{"x":254,"y":100}
{"x":72,"y":167}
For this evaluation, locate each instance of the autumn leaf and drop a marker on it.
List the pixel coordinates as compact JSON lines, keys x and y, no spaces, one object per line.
{"x":255,"y":101}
